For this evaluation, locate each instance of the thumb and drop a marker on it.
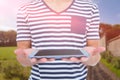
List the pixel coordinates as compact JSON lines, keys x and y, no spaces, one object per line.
{"x":33,"y":60}
{"x":99,"y":50}
{"x":19,"y":51}
{"x":28,"y":51}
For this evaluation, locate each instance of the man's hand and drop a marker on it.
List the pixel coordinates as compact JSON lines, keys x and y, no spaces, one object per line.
{"x":22,"y":57}
{"x":94,"y":55}
{"x":92,"y":60}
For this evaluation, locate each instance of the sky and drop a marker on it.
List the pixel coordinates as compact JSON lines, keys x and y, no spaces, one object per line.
{"x":109,"y":12}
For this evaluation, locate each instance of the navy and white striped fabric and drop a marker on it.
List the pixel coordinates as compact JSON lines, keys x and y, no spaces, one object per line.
{"x":48,"y":29}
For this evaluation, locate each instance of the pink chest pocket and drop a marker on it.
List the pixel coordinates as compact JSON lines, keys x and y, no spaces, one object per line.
{"x":78,"y":25}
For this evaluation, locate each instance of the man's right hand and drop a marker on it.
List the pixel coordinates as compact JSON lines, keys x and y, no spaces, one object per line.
{"x":22,"y":57}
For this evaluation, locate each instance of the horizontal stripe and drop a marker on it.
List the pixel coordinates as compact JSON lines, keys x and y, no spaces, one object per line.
{"x":51,"y":17}
{"x":50,"y":21}
{"x":50,"y":25}
{"x":61,"y":34}
{"x":61,"y":77}
{"x":58,"y":47}
{"x":48,"y":30}
{"x":60,"y":38}
{"x":62,"y":41}
{"x":51,"y":29}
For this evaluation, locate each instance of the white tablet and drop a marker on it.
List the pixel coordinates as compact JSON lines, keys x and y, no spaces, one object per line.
{"x":58,"y":54}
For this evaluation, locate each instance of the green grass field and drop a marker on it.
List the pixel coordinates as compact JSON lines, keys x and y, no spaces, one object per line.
{"x":10,"y":68}
{"x":7,"y":53}
{"x":110,"y":67}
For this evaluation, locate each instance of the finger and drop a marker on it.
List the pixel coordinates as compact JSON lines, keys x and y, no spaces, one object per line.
{"x":89,"y":49}
{"x":28,"y":51}
{"x":98,"y":50}
{"x":65,"y":59}
{"x":51,"y":59}
{"x":16,"y":51}
{"x":42,"y":60}
{"x":101,"y":49}
{"x":83,"y":59}
{"x":19,"y":51}
{"x":33,"y":60}
{"x":74,"y":59}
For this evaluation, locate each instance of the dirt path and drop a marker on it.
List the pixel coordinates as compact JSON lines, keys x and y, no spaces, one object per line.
{"x":100,"y":72}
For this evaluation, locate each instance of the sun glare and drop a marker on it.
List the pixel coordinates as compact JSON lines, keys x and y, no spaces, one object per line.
{"x":2,"y":2}
{"x":5,"y":28}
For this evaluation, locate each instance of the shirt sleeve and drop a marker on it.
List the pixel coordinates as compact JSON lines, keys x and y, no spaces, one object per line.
{"x":93,"y":30}
{"x":23,"y":30}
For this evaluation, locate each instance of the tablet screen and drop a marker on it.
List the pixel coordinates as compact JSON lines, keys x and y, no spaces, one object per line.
{"x":58,"y":52}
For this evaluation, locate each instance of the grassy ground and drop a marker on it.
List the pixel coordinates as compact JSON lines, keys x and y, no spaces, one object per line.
{"x":7,"y":53}
{"x":9,"y":66}
{"x":110,"y":67}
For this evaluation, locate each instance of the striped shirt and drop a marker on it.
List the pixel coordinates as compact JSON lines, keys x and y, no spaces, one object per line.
{"x":48,"y":29}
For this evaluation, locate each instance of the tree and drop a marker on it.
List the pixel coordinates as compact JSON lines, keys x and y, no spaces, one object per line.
{"x":2,"y":38}
{"x":8,"y":38}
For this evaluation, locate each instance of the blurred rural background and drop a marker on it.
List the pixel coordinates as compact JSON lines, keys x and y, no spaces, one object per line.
{"x":107,"y":69}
